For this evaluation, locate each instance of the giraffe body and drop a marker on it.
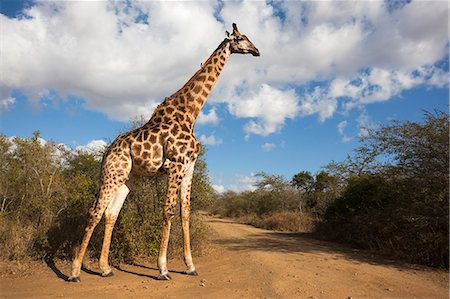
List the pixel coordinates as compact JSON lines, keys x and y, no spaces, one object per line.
{"x":166,"y":144}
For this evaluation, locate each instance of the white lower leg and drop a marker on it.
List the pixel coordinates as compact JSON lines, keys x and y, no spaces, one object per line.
{"x":185,"y":216}
{"x":187,"y":250}
{"x":162,"y":265}
{"x":162,"y":259}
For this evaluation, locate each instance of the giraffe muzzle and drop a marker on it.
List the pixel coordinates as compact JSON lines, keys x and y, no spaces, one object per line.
{"x":254,"y":52}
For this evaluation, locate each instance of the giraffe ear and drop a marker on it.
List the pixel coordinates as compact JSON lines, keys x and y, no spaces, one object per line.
{"x":227,"y":34}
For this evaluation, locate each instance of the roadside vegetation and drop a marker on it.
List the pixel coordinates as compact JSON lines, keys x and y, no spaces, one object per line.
{"x":390,"y":196}
{"x":47,"y":189}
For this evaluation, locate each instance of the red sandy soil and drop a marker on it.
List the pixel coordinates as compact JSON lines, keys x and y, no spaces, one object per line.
{"x":245,"y":262}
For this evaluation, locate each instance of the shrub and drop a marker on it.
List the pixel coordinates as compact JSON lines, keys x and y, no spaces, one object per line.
{"x":283,"y":221}
{"x":396,"y":200}
{"x":16,"y":240}
{"x":46,"y":193}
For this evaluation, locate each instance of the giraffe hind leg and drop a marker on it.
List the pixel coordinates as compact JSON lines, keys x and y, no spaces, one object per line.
{"x":185,"y":215}
{"x":113,"y":177}
{"x":173,"y":189}
{"x":111,"y":214}
{"x":96,"y":213}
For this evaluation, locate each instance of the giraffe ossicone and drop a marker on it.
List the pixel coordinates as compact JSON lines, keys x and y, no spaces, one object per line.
{"x":166,"y":144}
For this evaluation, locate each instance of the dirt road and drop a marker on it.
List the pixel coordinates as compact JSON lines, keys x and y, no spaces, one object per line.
{"x":245,"y":262}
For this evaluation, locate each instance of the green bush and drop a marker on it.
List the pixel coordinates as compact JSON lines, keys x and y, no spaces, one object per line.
{"x":375,"y":213}
{"x":46,"y":193}
{"x":283,"y":221}
{"x":396,"y":198}
{"x":391,"y":196}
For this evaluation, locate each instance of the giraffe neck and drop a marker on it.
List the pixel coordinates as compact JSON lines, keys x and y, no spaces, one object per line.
{"x":193,"y":95}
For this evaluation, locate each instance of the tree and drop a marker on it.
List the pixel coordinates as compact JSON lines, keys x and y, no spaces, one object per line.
{"x":415,"y":152}
{"x":397,"y":200}
{"x":303,"y":181}
{"x":268,"y":182}
{"x":327,"y":188}
{"x":317,"y":191}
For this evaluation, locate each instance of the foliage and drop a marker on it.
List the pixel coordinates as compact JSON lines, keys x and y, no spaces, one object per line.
{"x":304,"y":181}
{"x":288,"y":221}
{"x":390,"y":196}
{"x":317,"y":191}
{"x":273,"y":194}
{"x":275,"y":204}
{"x":47,"y":190}
{"x":398,"y":206}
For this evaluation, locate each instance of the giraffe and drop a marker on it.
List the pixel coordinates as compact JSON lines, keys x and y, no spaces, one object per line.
{"x":166,"y":144}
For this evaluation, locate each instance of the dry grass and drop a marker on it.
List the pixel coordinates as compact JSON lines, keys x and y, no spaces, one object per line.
{"x":282,"y":221}
{"x":199,"y":235}
{"x":15,"y":240}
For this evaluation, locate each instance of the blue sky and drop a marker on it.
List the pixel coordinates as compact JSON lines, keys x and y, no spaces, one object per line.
{"x":79,"y":71}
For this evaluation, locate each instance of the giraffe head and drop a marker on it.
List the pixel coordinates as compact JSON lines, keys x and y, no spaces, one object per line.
{"x":239,"y":43}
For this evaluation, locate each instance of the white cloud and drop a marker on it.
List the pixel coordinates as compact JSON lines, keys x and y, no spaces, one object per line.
{"x":376,"y":85}
{"x":341,"y":128}
{"x":218,"y":188}
{"x":210,"y":140}
{"x":6,"y":103}
{"x":365,"y":123}
{"x":270,"y":106}
{"x":95,"y":147}
{"x":60,"y":149}
{"x":318,"y":102}
{"x":346,"y":139}
{"x":124,"y":57}
{"x":267,"y":147}
{"x":244,"y":183}
{"x":99,"y":52}
{"x":208,"y":118}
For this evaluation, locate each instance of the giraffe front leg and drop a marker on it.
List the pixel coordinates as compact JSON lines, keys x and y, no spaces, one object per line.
{"x":185,"y":216}
{"x":173,"y":187}
{"x":162,"y":258}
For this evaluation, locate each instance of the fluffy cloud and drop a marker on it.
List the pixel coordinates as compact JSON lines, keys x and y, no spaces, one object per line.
{"x":122,"y":58}
{"x":218,"y":188}
{"x":210,"y":140}
{"x":95,"y":147}
{"x":365,"y":124}
{"x":6,"y":103}
{"x":208,"y":118}
{"x":269,"y":106}
{"x":106,"y":52}
{"x":341,"y":129}
{"x":244,"y":183}
{"x":268,"y":147}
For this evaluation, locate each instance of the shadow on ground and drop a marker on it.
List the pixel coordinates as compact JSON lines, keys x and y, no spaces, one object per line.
{"x":51,"y":264}
{"x":136,"y":265}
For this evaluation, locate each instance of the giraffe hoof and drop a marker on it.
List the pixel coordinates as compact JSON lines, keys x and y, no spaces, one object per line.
{"x":73,"y":279}
{"x":108,"y":274}
{"x":164,"y":277}
{"x":192,"y":273}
